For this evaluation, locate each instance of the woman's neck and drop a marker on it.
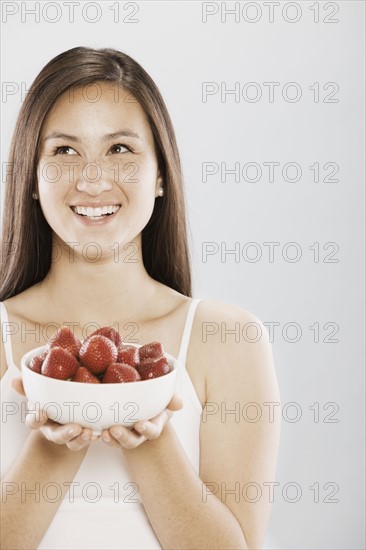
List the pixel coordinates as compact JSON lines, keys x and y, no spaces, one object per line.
{"x":82,"y":287}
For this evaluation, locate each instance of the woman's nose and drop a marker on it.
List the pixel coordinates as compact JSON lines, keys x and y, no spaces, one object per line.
{"x":93,"y":179}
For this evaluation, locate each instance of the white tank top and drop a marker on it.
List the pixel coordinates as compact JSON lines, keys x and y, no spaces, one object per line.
{"x":102,"y":508}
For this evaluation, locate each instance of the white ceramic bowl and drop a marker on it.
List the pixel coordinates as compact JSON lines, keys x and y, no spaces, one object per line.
{"x":98,"y":406}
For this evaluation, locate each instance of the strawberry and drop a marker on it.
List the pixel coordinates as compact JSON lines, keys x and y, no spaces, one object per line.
{"x":153,"y":369}
{"x":37,"y":362}
{"x":65,"y":338}
{"x":97,"y":352}
{"x":153,"y":350}
{"x":110,"y":333}
{"x":120,"y":372}
{"x":82,"y":374}
{"x":59,"y":363}
{"x":128,"y":355}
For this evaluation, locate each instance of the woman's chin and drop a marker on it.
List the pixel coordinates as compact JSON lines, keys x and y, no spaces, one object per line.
{"x":97,"y":251}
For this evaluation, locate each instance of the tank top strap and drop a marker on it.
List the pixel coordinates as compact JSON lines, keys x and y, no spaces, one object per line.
{"x":182,"y":356}
{"x":5,"y":335}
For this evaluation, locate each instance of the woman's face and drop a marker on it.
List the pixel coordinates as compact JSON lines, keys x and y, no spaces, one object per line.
{"x":97,"y":174}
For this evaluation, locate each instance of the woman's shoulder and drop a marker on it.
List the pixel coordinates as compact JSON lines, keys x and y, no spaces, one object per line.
{"x":25,"y":304}
{"x":221,"y":313}
{"x":230,"y":343}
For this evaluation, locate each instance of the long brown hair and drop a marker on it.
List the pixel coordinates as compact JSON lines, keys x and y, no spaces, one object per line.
{"x":27,"y":237}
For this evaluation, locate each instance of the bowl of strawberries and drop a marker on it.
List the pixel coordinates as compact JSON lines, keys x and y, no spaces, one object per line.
{"x":99,"y":382}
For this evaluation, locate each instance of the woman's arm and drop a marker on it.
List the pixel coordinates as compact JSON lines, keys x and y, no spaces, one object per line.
{"x":213,"y":510}
{"x":45,"y":458}
{"x":174,"y":499}
{"x":24,"y":521}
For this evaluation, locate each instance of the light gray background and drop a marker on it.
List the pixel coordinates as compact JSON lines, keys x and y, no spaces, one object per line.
{"x":180,"y":52}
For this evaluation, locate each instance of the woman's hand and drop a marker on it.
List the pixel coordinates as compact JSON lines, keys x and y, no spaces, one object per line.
{"x":130,"y":438}
{"x":73,"y":435}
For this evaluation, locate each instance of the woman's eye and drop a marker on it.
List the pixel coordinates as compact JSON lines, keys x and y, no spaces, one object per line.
{"x":119,"y":148}
{"x":63,"y":150}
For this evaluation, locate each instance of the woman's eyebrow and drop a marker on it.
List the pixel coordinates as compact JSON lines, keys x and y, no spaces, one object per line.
{"x":120,"y":133}
{"x":106,"y":137}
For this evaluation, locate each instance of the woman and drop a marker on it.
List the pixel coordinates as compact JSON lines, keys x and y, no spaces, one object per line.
{"x":94,"y":232}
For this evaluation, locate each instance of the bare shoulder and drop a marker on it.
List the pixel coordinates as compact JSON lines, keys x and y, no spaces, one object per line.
{"x":227,"y":328}
{"x":232,"y":347}
{"x":222,"y":312}
{"x":20,"y":304}
{"x":21,"y":310}
{"x":11,"y":307}
{"x":8,"y":327}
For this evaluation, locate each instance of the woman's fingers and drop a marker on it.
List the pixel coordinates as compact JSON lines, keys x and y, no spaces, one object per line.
{"x":17,"y":385}
{"x":35,"y":417}
{"x":72,"y":435}
{"x":152,"y":429}
{"x":109,"y":439}
{"x":125,"y":437}
{"x":59,"y":433}
{"x":83,"y":439}
{"x":143,"y":430}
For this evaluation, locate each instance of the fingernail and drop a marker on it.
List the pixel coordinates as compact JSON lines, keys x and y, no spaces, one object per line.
{"x":72,"y":431}
{"x":106,"y":438}
{"x":117,"y":432}
{"x":143,"y":428}
{"x":85,"y":437}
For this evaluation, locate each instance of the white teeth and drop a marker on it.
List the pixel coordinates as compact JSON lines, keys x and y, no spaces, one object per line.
{"x":95,"y":212}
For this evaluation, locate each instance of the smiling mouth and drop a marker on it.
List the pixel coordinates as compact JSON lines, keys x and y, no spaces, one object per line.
{"x":97,"y":213}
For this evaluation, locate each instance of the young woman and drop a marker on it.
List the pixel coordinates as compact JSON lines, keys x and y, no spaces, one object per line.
{"x":94,"y":233}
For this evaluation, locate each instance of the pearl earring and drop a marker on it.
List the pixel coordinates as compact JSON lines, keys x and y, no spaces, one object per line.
{"x":161,"y":192}
{"x":34,"y":196}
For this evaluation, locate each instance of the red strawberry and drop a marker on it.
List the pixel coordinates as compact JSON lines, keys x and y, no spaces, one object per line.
{"x":120,"y":372}
{"x":82,"y":374}
{"x":97,"y":352}
{"x":128,"y":355}
{"x":110,"y":333}
{"x":153,"y":369}
{"x":60,"y":364}
{"x":65,"y":338}
{"x":37,"y":362}
{"x":153,"y":350}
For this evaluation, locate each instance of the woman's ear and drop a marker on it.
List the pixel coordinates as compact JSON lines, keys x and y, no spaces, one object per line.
{"x":35,"y":194}
{"x":159,"y":189}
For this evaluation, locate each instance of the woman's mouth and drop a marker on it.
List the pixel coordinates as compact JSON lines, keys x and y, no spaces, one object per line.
{"x":97,"y":213}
